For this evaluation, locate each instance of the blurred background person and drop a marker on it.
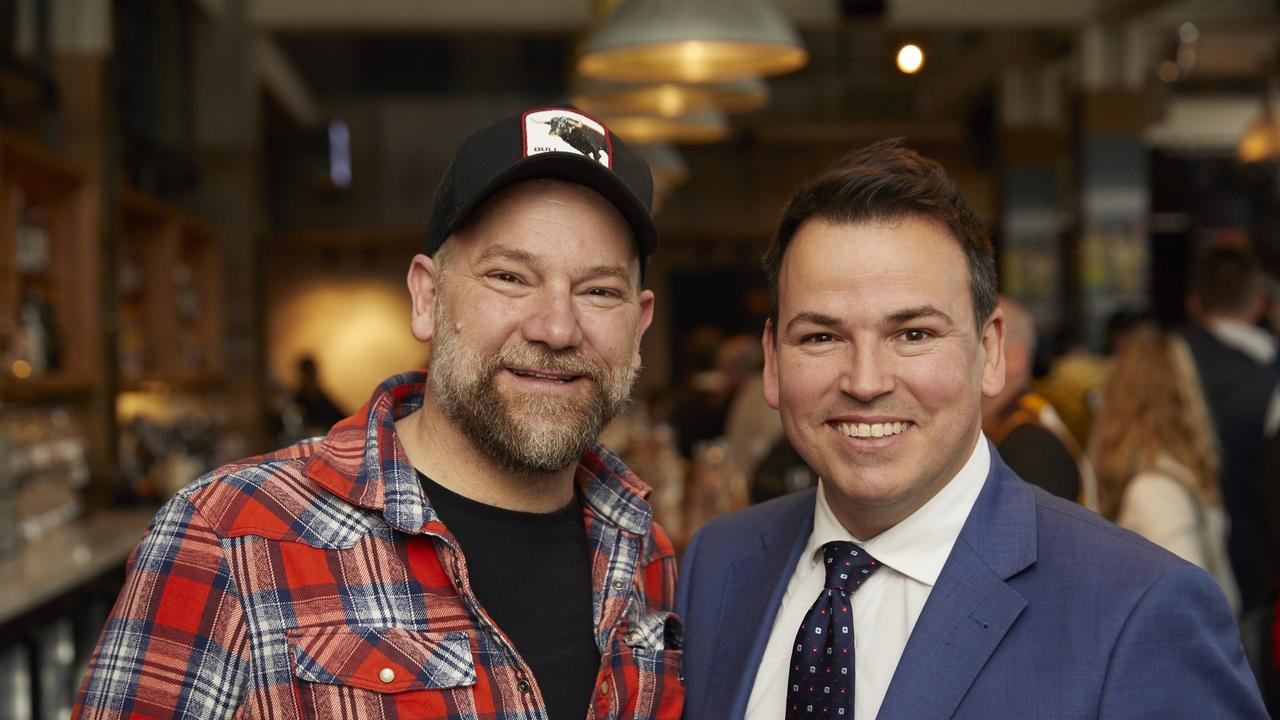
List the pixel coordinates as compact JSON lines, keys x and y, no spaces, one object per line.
{"x":1157,"y":467}
{"x":752,"y":428}
{"x":308,"y":411}
{"x":317,"y":409}
{"x":1023,"y":425}
{"x":1235,"y":360}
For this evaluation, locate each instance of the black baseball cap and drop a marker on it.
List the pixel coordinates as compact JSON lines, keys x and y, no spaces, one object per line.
{"x":559,"y":143}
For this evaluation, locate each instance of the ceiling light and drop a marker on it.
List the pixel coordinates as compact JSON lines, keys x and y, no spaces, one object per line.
{"x":910,"y":59}
{"x":1188,"y":32}
{"x":1261,"y":142}
{"x":668,"y":99}
{"x":704,"y":126}
{"x":693,"y":41}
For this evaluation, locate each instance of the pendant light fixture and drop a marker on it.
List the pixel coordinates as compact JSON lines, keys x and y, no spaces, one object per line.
{"x":692,"y":41}
{"x":1261,"y":141}
{"x":669,"y":100}
{"x":702,"y":126}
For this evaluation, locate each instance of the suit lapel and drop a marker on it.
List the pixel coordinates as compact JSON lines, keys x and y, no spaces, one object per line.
{"x":971,"y":607}
{"x":752,"y":596}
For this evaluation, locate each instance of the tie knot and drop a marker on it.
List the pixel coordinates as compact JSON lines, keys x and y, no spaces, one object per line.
{"x":848,"y":565}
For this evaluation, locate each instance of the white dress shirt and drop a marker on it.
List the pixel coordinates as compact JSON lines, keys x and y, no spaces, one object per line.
{"x":886,"y":606}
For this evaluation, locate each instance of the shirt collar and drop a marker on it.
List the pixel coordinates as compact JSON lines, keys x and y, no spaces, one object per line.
{"x":362,"y":461}
{"x":1248,"y":339}
{"x":918,"y":546}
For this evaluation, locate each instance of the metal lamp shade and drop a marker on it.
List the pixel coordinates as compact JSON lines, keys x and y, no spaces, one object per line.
{"x":669,"y":99}
{"x":705,"y":126}
{"x":694,"y":41}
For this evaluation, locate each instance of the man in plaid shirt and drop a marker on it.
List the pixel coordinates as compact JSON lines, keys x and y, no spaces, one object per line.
{"x":461,"y":547}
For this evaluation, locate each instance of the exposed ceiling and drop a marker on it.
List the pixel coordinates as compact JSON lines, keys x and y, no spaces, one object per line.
{"x":345,"y":48}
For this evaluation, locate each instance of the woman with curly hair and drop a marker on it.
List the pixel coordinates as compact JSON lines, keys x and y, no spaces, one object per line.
{"x":1156,"y":456}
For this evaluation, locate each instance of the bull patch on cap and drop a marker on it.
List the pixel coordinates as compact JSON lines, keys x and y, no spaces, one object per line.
{"x":562,"y":130}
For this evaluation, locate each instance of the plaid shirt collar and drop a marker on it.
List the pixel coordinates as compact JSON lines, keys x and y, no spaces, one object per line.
{"x":362,"y":461}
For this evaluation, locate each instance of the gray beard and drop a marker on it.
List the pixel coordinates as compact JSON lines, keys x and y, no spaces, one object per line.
{"x":523,"y":433}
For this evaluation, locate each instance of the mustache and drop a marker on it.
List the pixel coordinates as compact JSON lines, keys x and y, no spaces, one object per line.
{"x":536,"y":357}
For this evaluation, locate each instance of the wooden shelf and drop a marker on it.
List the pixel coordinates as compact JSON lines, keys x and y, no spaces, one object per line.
{"x":53,"y":387}
{"x":48,"y":197}
{"x":169,"y":302}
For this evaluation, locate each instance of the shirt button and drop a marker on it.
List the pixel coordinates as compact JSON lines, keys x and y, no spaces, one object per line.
{"x":386,"y":675}
{"x":604,"y":688}
{"x":523,"y":686}
{"x":618,"y":585}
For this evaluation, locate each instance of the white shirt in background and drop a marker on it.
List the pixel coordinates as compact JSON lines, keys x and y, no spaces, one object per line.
{"x":886,"y":606}
{"x":1260,"y":347}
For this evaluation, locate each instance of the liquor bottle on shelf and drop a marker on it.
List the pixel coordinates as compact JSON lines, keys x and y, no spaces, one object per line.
{"x":39,"y":328}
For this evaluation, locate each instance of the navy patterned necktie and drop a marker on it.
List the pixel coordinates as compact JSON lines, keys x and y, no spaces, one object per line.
{"x":820,"y":684}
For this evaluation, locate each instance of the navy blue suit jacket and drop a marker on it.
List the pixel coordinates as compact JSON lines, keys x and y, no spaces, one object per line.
{"x":1042,"y":610}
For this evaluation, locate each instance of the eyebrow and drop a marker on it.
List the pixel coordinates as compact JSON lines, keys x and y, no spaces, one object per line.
{"x":813,"y":318}
{"x":918,"y":313}
{"x":897,"y":318}
{"x":616,"y":271}
{"x":506,"y":252}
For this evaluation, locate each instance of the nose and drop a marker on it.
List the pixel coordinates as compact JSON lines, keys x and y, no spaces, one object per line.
{"x":868,"y":375}
{"x":553,"y":321}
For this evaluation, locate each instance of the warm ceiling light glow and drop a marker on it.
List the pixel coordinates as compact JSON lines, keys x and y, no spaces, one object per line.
{"x":910,"y":59}
{"x":696,"y":127}
{"x":1261,"y":142}
{"x":693,"y":61}
{"x":668,"y":99}
{"x":692,"y":41}
{"x":1188,"y":32}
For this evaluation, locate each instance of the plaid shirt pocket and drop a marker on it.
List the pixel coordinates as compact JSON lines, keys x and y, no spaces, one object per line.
{"x":647,"y":670}
{"x":358,"y":672}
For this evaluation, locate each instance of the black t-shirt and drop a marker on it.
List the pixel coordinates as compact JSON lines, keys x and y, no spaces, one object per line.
{"x":532,"y":574}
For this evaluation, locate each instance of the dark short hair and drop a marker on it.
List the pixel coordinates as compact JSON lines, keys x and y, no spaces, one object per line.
{"x":1225,"y":279}
{"x":887,"y":181}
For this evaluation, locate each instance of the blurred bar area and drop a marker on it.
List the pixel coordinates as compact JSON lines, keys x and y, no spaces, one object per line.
{"x":208,"y":208}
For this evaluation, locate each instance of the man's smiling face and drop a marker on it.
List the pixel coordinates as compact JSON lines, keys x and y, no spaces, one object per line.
{"x":876,"y":364}
{"x":538,"y":320}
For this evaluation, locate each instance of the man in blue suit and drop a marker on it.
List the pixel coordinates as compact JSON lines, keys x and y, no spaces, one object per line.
{"x":923,"y":579}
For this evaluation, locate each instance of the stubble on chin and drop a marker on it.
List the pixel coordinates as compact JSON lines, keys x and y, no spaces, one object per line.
{"x":525,"y":432}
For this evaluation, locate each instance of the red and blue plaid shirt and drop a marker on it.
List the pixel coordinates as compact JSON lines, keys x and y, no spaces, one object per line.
{"x":319,"y":582}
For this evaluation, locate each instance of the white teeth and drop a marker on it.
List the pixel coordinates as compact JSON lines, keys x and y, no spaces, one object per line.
{"x":526,"y":373}
{"x":871,"y":430}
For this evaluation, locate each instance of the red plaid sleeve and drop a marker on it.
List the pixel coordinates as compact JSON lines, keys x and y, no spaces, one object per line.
{"x":175,"y":644}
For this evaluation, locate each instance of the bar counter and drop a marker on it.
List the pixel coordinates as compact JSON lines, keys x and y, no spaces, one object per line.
{"x":55,"y":592}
